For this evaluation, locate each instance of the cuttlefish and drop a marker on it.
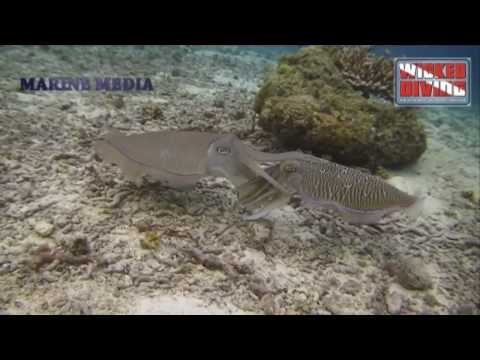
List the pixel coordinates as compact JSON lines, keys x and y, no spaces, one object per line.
{"x":178,"y":159}
{"x":358,"y":197}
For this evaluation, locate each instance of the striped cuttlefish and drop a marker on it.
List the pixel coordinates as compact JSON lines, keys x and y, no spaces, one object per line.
{"x":358,"y":197}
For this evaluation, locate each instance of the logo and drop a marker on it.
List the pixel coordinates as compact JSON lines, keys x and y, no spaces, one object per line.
{"x":432,"y":82}
{"x":84,"y":84}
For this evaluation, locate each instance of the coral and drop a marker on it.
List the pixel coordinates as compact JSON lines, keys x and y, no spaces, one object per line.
{"x":150,"y":241}
{"x":308,"y":104}
{"x":151,"y":112}
{"x":382,"y":172}
{"x":472,"y":196}
{"x":118,"y":102}
{"x":364,"y":71}
{"x":287,"y":70}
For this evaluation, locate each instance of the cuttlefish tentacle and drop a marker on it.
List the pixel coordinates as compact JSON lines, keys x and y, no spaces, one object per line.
{"x":259,"y":197}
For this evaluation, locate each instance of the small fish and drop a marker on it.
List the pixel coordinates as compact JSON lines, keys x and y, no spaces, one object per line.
{"x":358,"y":197}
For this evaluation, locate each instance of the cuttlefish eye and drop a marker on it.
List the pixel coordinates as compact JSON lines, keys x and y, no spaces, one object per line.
{"x":289,"y":167}
{"x":223,"y":150}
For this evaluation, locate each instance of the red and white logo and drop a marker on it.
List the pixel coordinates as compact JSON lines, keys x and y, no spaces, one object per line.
{"x":432,"y":82}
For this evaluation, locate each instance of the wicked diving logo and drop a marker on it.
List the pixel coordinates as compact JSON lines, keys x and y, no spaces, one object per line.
{"x":432,"y":82}
{"x":86,"y":84}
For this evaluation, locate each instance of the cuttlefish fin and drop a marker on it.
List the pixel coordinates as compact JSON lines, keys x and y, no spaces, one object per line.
{"x":112,"y":132}
{"x":132,"y":170}
{"x":360,"y":218}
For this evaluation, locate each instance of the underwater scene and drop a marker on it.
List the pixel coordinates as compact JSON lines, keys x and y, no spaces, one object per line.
{"x":239,"y":179}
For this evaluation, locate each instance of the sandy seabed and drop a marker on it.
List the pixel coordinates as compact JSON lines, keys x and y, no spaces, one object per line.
{"x":76,"y":238}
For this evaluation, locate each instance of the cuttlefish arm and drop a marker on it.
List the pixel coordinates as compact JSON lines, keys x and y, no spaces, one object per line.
{"x":259,"y":197}
{"x":176,"y":159}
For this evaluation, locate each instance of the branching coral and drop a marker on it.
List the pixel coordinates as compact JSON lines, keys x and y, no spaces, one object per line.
{"x":370,"y":74}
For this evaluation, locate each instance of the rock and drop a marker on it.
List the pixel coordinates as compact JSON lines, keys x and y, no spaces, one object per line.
{"x":411,"y":273}
{"x":472,"y":196}
{"x":43,"y":228}
{"x":239,"y":114}
{"x":118,"y":102}
{"x":338,"y":305}
{"x":333,"y":282}
{"x":209,"y":114}
{"x":351,"y":287}
{"x":80,"y":246}
{"x":66,"y":107}
{"x":464,"y":309}
{"x":394,"y":301}
{"x":471,"y":242}
{"x":431,"y":300}
{"x":309,"y":104}
{"x":219,"y":103}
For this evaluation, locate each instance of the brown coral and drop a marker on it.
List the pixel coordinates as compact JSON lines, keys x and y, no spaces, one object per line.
{"x":309,"y":104}
{"x":370,"y":74}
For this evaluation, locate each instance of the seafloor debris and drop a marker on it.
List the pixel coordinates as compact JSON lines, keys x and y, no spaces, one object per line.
{"x":151,"y":112}
{"x":473,"y":196}
{"x":43,"y":228}
{"x":394,"y":301}
{"x":44,"y":255}
{"x":150,"y":240}
{"x":411,"y":273}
